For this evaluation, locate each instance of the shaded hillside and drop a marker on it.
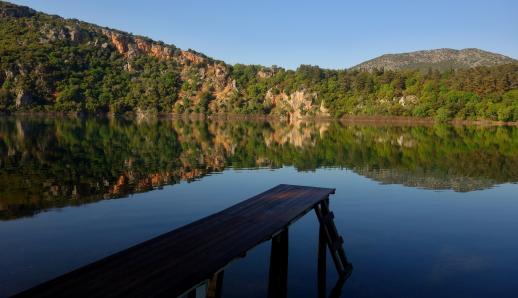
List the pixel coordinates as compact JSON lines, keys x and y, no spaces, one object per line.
{"x":51,"y":64}
{"x":439,"y":59}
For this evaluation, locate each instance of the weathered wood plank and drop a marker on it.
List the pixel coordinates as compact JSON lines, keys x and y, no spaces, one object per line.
{"x":172,"y":263}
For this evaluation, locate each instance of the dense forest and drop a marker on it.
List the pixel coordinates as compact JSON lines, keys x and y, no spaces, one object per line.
{"x":52,"y":162}
{"x":50,"y":64}
{"x":477,"y":93}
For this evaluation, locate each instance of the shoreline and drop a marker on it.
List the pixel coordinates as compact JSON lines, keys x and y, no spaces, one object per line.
{"x":349,"y":119}
{"x":409,"y":120}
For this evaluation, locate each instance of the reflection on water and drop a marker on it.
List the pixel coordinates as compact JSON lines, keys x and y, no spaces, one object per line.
{"x":405,"y":238}
{"x":46,"y":163}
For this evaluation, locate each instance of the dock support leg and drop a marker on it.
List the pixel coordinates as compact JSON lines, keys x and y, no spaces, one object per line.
{"x":336,"y":291}
{"x":278,"y":276}
{"x":334,"y":240}
{"x":321,"y":265}
{"x":192,"y":293}
{"x":215,"y":285}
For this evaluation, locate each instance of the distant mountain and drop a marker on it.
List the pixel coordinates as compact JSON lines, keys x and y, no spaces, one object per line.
{"x":440,"y":59}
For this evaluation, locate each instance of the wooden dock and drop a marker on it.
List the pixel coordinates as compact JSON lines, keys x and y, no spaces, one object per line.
{"x":177,"y":262}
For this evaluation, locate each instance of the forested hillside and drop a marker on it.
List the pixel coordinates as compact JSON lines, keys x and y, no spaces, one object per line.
{"x":51,"y":64}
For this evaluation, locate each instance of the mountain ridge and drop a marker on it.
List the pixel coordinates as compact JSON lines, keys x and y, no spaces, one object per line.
{"x":163,"y":50}
{"x":441,"y":59}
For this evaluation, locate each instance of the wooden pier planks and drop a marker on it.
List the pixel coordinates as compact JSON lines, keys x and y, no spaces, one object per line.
{"x":174,"y":262}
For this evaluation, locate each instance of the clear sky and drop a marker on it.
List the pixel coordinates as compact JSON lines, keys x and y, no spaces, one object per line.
{"x":331,"y":34}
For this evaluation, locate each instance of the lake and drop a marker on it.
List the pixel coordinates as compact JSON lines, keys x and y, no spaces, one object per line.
{"x":424,"y":210}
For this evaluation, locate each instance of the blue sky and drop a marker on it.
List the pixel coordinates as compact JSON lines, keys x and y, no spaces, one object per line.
{"x":331,"y":34}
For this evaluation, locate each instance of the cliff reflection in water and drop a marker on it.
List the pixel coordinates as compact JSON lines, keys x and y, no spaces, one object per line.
{"x":49,"y":163}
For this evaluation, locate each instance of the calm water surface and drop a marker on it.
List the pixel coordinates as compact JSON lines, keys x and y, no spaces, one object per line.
{"x":425,"y":211}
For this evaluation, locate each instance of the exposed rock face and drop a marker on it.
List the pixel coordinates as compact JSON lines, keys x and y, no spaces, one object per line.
{"x":214,"y":75}
{"x":301,"y":103}
{"x":23,"y":99}
{"x":408,"y":99}
{"x":323,"y":110}
{"x":403,"y":100}
{"x":11,"y":10}
{"x":265,"y":73}
{"x":440,"y":59}
{"x":189,"y":56}
{"x":72,"y":32}
{"x":276,"y":99}
{"x":126,"y":44}
{"x":131,"y":46}
{"x":296,"y":105}
{"x":77,"y":34}
{"x":52,"y":34}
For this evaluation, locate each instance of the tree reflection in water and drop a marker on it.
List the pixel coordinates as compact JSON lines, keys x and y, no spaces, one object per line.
{"x":47,"y":163}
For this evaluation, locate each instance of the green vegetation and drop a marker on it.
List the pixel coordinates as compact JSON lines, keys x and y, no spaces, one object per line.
{"x":40,"y":61}
{"x":468,"y":94}
{"x":50,"y":64}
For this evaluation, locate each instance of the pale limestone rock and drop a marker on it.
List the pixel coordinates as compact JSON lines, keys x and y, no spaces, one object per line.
{"x":23,"y":99}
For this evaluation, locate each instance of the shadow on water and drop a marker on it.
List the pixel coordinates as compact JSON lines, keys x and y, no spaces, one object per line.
{"x":49,"y":163}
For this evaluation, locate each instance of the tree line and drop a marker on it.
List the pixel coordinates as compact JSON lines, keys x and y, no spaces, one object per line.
{"x":39,"y":72}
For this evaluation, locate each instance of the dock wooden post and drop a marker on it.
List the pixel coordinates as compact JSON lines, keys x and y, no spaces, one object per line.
{"x":278,"y":276}
{"x":215,"y":285}
{"x":321,"y":266}
{"x":336,"y":291}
